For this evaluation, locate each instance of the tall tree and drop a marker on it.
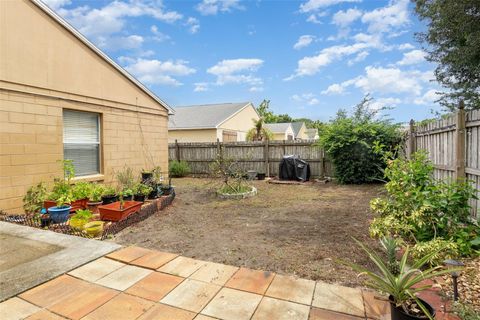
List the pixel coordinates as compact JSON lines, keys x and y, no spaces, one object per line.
{"x":259,"y":132}
{"x":453,"y":41}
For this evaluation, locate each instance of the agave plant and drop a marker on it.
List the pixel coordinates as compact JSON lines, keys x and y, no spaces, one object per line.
{"x":403,"y":287}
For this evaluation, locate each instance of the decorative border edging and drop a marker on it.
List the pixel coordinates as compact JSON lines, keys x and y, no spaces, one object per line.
{"x":238,"y":196}
{"x":112,"y":228}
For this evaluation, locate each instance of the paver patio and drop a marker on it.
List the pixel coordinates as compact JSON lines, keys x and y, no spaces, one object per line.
{"x":167,"y":286}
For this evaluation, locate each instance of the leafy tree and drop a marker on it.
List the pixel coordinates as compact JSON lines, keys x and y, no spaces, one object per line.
{"x":453,"y":41}
{"x":259,"y":132}
{"x":349,"y":141}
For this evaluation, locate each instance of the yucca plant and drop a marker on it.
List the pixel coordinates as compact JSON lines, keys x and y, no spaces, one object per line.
{"x":403,"y":287}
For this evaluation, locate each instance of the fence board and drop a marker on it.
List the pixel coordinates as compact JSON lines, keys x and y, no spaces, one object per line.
{"x":440,"y":139}
{"x":251,"y":155}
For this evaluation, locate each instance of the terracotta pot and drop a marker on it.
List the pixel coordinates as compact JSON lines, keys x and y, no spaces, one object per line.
{"x":113,"y":212}
{"x":79,"y":204}
{"x":49,"y":203}
{"x":93,"y":206}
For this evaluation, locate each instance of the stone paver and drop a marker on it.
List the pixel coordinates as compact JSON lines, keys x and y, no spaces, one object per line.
{"x":123,"y":278}
{"x":321,"y":314}
{"x":155,"y":286}
{"x":154,"y":260}
{"x":291,"y":288}
{"x":339,"y":299}
{"x":123,"y":306}
{"x":53,"y":291}
{"x":231,"y":304}
{"x":215,"y":273}
{"x":81,"y":303}
{"x":44,"y":315}
{"x":374,"y":307}
{"x":16,"y":309}
{"x":164,"y":312}
{"x":255,"y":281}
{"x":182,"y":266}
{"x":96,"y":269}
{"x":128,"y":254}
{"x":203,"y":317}
{"x":271,"y":308}
{"x":191,"y":295}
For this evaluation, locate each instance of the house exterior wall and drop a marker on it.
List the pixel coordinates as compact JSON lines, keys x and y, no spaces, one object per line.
{"x":45,"y":69}
{"x":302,"y":134}
{"x":201,"y":135}
{"x":240,"y":122}
{"x":283,"y":135}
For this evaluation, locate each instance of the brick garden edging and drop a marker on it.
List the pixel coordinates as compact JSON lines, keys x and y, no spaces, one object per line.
{"x":111,"y":228}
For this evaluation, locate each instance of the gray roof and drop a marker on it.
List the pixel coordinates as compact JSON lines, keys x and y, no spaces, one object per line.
{"x":277,"y":127}
{"x":296,"y":126}
{"x":207,"y":116}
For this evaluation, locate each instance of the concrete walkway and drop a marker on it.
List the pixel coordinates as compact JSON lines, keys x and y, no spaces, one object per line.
{"x":136,"y":283}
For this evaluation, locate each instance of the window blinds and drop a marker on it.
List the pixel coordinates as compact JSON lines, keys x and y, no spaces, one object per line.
{"x":81,"y":141}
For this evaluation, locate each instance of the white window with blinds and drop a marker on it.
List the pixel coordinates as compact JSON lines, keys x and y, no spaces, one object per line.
{"x":81,"y":141}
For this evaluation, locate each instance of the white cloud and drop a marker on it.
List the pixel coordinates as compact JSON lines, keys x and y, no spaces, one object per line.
{"x":334,"y":89}
{"x":345,"y":18}
{"x":158,"y":72}
{"x":381,"y":103}
{"x":412,"y":57}
{"x":120,"y":43}
{"x":256,"y":89}
{"x":57,"y":4}
{"x":381,"y":80}
{"x":308,"y":98}
{"x":359,"y":57}
{"x":237,"y":71}
{"x":158,"y":36}
{"x":405,"y":46}
{"x":428,"y":98}
{"x":212,"y":7}
{"x":383,"y":20}
{"x":313,"y":19}
{"x":201,"y":87}
{"x":193,"y":25}
{"x":303,"y":41}
{"x":315,"y":5}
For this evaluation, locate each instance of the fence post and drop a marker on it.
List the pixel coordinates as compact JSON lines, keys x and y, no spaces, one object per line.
{"x":266,"y":155}
{"x":219,"y":148}
{"x":460,"y":137}
{"x":411,"y":140}
{"x":284,"y":149}
{"x":177,"y":150}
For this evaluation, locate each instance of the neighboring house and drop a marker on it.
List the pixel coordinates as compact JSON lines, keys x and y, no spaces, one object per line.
{"x":207,"y":123}
{"x":312,"y":134}
{"x":281,"y":131}
{"x":299,"y":130}
{"x":62,"y":98}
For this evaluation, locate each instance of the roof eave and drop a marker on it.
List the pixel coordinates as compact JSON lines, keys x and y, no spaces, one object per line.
{"x":82,"y":38}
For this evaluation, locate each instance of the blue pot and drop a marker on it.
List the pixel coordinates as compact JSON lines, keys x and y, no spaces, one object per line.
{"x":59,"y":214}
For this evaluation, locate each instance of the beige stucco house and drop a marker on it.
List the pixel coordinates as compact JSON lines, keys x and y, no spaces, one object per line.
{"x":281,"y":131}
{"x":61,"y":97}
{"x":207,"y":123}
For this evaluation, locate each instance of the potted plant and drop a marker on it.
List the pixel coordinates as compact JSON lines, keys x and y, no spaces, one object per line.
{"x":34,"y":198}
{"x":109,"y":195}
{"x":81,"y":192}
{"x":118,"y":210}
{"x":147,"y":176}
{"x":167,"y":189}
{"x":141,"y":191}
{"x":80,"y":218}
{"x":127,"y":194}
{"x":60,"y":212}
{"x":261,"y":176}
{"x":401,"y":283}
{"x":95,"y":197}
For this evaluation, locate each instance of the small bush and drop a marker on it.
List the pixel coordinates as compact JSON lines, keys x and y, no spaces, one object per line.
{"x":179,"y":169}
{"x":349,"y":141}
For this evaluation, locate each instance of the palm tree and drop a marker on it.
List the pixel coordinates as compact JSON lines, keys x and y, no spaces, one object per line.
{"x":259,"y":132}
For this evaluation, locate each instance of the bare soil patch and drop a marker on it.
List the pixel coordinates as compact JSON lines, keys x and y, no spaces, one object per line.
{"x":295,"y":229}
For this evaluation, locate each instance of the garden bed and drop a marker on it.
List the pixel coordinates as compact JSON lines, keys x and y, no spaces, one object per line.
{"x":298,"y":229}
{"x":110,"y":228}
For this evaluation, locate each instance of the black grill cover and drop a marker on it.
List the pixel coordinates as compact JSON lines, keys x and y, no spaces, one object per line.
{"x":294,"y":168}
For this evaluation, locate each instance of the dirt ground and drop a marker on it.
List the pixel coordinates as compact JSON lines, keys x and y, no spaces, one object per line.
{"x":294,"y":229}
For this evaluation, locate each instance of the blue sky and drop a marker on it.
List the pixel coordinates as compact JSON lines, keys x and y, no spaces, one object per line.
{"x":308,"y":57}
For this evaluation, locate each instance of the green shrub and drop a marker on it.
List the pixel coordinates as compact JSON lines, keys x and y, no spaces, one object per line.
{"x":349,"y":142}
{"x":179,"y":169}
{"x":424,"y":211}
{"x":33,"y":199}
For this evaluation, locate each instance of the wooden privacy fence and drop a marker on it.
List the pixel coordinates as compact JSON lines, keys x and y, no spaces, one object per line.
{"x":453,"y":145}
{"x":262,"y":156}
